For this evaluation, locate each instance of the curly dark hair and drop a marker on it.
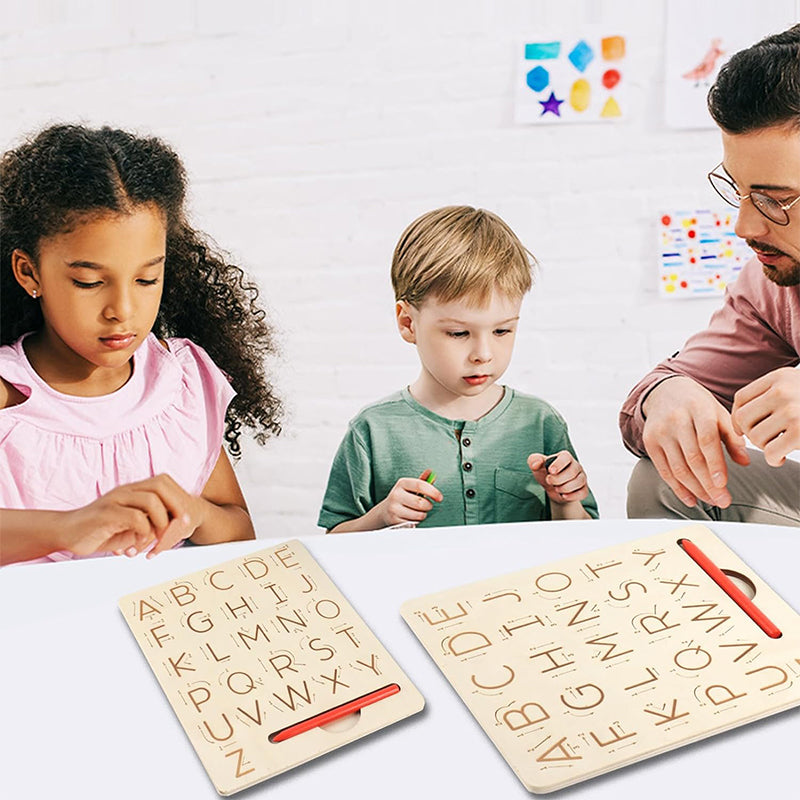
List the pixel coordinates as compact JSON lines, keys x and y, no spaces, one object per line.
{"x":759,"y":87}
{"x":66,"y":172}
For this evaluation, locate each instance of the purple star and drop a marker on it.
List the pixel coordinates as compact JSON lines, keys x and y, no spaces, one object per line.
{"x":552,"y":105}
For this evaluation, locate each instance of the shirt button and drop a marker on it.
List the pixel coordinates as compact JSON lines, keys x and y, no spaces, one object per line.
{"x":466,"y":442}
{"x":467,"y":465}
{"x":470,"y":493}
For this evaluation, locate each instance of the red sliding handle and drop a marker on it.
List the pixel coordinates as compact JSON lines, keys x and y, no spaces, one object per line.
{"x":730,"y":588}
{"x":335,"y":713}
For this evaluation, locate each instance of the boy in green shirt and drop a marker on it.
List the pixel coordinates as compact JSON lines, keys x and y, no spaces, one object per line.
{"x":459,"y":276}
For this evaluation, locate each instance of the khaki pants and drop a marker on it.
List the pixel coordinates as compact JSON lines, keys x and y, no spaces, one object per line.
{"x":760,"y":493}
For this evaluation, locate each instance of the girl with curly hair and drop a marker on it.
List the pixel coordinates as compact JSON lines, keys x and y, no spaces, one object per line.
{"x":129,"y":352}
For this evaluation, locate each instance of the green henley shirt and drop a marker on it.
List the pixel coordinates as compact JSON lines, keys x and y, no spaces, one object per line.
{"x":481,"y":465}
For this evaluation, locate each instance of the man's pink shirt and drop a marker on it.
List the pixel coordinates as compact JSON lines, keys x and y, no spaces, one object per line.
{"x":756,"y":331}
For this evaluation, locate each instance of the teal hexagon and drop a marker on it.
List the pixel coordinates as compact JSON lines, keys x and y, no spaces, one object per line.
{"x":538,"y":78}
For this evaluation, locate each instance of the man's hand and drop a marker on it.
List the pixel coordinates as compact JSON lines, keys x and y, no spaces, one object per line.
{"x":684,"y":431}
{"x":767,"y":411}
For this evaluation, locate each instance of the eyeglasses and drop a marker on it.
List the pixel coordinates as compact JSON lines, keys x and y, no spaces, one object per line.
{"x":773,"y":210}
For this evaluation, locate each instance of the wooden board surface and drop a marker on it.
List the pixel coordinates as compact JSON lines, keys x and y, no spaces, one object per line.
{"x":592,"y":663}
{"x":249,"y":648}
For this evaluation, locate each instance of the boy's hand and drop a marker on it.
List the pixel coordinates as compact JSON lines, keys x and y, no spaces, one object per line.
{"x":408,"y":501}
{"x":563,"y":480}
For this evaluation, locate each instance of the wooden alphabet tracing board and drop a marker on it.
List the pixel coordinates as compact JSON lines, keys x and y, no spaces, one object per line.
{"x":580,"y":667}
{"x":266,"y":664}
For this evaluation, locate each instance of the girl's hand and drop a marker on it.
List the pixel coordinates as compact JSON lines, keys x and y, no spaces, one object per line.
{"x":408,"y":501}
{"x":184,"y":512}
{"x":129,"y":518}
{"x":564,"y":480}
{"x":122,"y":520}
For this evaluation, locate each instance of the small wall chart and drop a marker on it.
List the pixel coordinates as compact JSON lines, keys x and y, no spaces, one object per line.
{"x":698,"y":253}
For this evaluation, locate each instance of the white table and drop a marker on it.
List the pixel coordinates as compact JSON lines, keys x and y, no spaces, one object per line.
{"x":82,"y":715}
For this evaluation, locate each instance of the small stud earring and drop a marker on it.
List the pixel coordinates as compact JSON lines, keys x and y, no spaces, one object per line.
{"x":34,"y":294}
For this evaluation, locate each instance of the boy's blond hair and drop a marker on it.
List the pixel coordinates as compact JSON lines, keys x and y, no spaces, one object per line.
{"x":460,"y":252}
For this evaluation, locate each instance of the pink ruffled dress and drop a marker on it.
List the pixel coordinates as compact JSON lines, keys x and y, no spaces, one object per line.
{"x":59,"y":452}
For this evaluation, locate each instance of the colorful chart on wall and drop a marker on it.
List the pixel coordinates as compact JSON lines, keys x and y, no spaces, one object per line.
{"x":700,"y":38}
{"x":698,"y":253}
{"x":601,"y":660}
{"x":576,"y":78}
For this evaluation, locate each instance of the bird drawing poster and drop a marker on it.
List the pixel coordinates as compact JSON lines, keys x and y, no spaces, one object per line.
{"x":700,"y":38}
{"x":577,"y":78}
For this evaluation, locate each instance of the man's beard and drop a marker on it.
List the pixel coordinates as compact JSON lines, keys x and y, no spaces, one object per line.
{"x":790,"y":277}
{"x":784,"y":276}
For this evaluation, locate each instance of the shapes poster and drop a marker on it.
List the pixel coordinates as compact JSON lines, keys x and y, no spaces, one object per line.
{"x":700,"y":38}
{"x":698,"y":253}
{"x":575,"y":78}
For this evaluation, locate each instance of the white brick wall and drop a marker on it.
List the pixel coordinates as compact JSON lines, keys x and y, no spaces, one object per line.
{"x":315,"y":131}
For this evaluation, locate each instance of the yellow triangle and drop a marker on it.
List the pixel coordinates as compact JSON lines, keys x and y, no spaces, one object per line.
{"x":611,"y":109}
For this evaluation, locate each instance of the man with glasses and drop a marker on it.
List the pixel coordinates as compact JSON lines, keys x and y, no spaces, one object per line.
{"x":689,"y":417}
